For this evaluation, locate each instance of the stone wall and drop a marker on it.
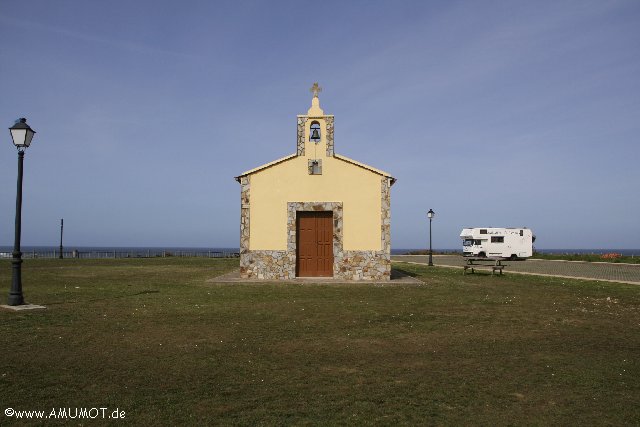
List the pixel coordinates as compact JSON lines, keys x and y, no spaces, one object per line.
{"x":329,"y":138}
{"x":268,"y":265}
{"x":300,"y":137}
{"x":245,"y":257}
{"x":364,"y":265}
{"x":385,"y":214}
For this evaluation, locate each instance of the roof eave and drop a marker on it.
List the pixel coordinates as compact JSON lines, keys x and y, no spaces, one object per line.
{"x":364,"y":166}
{"x":266,"y":165}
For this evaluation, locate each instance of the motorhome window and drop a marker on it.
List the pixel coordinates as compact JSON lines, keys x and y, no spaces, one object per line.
{"x":497,"y":239}
{"x":467,"y":242}
{"x":521,"y":233}
{"x":483,"y":231}
{"x":477,"y":242}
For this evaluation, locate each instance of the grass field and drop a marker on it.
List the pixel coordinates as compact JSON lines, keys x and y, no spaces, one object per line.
{"x":159,"y":340}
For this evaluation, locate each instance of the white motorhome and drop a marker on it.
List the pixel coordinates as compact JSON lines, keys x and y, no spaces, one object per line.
{"x":510,"y":243}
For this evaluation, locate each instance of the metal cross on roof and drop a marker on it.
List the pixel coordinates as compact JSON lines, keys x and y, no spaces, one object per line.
{"x":315,"y":89}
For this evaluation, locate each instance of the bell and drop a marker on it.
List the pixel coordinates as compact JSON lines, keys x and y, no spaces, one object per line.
{"x":315,"y":135}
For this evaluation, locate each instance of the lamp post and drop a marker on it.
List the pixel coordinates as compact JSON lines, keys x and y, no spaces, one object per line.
{"x":430,"y":214}
{"x":22,"y":135}
{"x":61,"y":256}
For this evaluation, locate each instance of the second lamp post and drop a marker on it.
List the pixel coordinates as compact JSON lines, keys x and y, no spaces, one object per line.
{"x":430,"y":214}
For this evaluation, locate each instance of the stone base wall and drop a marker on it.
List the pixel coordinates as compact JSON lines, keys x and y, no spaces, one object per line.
{"x":281,"y":265}
{"x":363,"y":265}
{"x":268,"y":265}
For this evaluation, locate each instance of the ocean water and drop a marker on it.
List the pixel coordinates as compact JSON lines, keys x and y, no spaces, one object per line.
{"x":145,"y":250}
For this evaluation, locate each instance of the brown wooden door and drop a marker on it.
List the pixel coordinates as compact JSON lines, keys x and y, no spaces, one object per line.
{"x":314,"y":257}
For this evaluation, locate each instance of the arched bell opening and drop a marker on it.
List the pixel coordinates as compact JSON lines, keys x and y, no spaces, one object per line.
{"x":314,"y":132}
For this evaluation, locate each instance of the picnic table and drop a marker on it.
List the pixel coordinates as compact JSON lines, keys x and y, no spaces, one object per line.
{"x":495,"y":264}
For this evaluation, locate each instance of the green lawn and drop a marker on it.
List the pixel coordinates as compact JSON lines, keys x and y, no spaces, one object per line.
{"x":157,"y":339}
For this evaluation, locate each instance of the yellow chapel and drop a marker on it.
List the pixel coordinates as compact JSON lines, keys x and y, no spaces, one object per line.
{"x":315,"y":213}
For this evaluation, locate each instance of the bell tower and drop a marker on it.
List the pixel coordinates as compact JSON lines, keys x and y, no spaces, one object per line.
{"x":315,"y":132}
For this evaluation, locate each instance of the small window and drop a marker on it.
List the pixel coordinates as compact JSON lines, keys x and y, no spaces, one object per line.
{"x":315,"y":167}
{"x":497,"y":239}
{"x":483,"y":231}
{"x":521,"y":233}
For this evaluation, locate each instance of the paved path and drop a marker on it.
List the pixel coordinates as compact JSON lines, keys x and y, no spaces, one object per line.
{"x":397,"y":278}
{"x":622,"y":273}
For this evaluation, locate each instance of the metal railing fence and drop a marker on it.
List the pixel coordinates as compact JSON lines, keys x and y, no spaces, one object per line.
{"x":53,"y":254}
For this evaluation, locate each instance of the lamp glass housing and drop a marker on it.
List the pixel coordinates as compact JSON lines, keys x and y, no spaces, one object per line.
{"x":21,"y":134}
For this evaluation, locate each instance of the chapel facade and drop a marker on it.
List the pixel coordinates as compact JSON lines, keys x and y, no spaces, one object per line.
{"x":315,"y":213}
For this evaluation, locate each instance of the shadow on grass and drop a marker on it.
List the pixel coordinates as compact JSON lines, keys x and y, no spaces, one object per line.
{"x":398,"y":273}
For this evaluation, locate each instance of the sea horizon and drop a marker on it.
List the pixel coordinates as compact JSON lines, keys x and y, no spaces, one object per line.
{"x":394,"y":251}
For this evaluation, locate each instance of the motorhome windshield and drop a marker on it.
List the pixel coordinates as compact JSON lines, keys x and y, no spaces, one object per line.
{"x":471,"y":242}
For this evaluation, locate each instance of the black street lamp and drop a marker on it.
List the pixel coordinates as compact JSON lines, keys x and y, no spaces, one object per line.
{"x":430,"y":214}
{"x":22,"y":135}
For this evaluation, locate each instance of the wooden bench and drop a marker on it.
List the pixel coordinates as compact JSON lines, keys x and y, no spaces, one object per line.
{"x":495,"y":264}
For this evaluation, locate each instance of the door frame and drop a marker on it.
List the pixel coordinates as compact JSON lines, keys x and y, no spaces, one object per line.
{"x":337,"y":209}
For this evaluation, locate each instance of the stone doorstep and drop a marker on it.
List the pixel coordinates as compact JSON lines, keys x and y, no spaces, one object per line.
{"x":23,"y":307}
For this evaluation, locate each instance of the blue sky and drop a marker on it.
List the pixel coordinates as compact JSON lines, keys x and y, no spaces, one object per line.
{"x":492,"y":113}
